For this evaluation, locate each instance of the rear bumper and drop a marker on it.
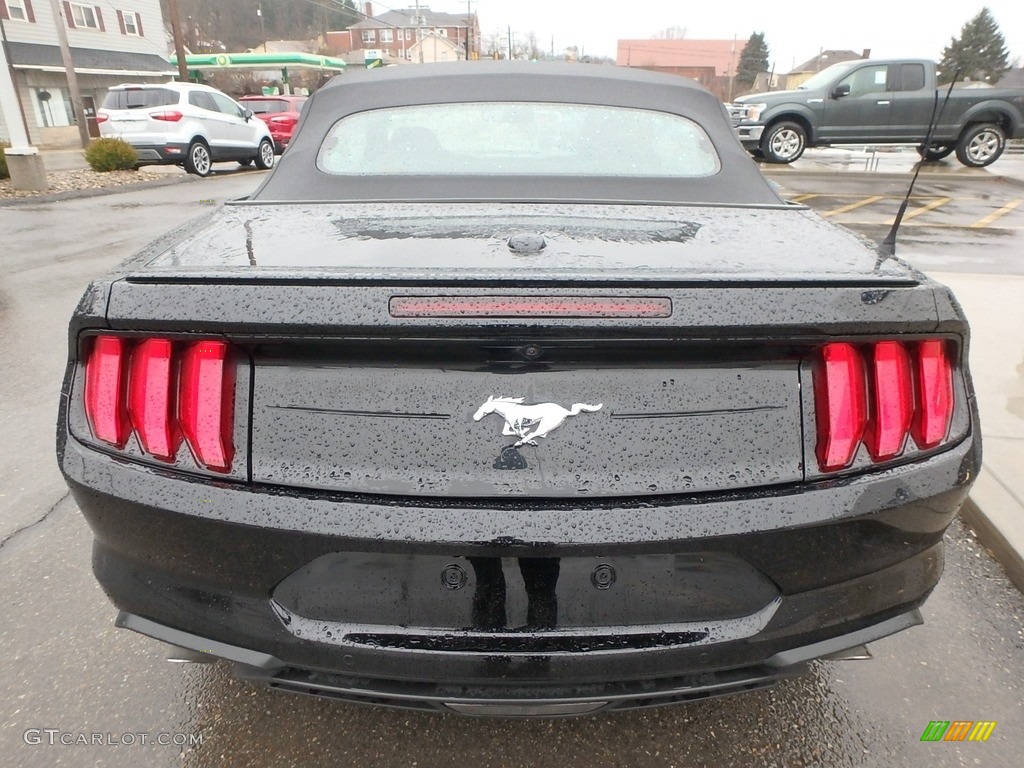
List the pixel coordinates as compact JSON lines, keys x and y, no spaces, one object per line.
{"x":160,"y":154}
{"x":264,"y":577}
{"x":543,"y":700}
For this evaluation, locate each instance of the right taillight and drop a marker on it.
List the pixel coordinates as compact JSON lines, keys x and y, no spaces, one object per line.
{"x":167,"y":116}
{"x":163,"y":391}
{"x":878,"y":395}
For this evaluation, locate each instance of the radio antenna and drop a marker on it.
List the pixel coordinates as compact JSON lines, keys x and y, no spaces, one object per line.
{"x":887,"y":247}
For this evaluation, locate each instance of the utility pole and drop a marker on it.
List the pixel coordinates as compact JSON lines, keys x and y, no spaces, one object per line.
{"x":419,"y":30}
{"x":179,"y":42}
{"x":510,"y":43}
{"x":69,"y":68}
{"x":263,"y":26}
{"x":469,"y":30}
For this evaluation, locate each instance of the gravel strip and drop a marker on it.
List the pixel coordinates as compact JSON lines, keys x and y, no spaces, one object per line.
{"x":70,"y":181}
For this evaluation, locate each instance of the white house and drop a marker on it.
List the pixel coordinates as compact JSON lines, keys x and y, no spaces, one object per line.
{"x":116,"y":42}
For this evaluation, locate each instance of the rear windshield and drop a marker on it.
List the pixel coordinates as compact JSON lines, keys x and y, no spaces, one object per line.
{"x":139,"y":98}
{"x":517,"y":139}
{"x":265,"y":106}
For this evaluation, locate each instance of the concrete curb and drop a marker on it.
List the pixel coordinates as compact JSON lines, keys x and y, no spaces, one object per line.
{"x":74,"y":194}
{"x":997,"y":516}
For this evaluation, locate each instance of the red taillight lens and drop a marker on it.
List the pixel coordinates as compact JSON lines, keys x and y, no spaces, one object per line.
{"x":151,"y":398}
{"x":893,"y":400}
{"x":910,"y":394}
{"x":841,"y":405}
{"x":934,"y":394}
{"x":106,"y":370}
{"x":169,"y":116}
{"x":206,"y":404}
{"x":165,"y":391}
{"x":102,"y":117}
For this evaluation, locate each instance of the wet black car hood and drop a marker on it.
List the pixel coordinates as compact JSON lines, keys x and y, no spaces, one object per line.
{"x":501,"y":241}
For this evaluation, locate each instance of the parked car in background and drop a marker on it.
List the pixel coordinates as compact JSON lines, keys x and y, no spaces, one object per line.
{"x":517,"y":390}
{"x":876,"y":101}
{"x":280,"y":113}
{"x":185,"y":124}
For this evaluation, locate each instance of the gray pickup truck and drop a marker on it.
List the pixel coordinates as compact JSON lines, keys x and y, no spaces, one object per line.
{"x":871,"y":101}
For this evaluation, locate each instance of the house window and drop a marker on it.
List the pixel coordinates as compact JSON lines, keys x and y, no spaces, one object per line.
{"x":52,"y":107}
{"x":408,"y":33}
{"x":16,"y":10}
{"x":385,"y":35}
{"x":84,"y":16}
{"x":369,"y":36}
{"x":131,"y":27}
{"x":442,"y":32}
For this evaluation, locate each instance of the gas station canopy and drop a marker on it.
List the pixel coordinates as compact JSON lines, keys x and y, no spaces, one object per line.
{"x":261,"y":61}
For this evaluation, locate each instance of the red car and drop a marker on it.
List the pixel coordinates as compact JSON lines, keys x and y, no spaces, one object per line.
{"x":280,"y":113}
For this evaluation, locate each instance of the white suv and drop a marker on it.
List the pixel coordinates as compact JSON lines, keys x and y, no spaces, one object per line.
{"x":185,"y":124}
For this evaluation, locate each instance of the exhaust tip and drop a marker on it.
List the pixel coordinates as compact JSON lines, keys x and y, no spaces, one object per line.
{"x":178,"y":655}
{"x":856,"y":653}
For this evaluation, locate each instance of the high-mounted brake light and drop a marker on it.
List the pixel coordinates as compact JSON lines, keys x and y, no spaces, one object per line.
{"x":893,"y":401}
{"x":841,"y":405}
{"x":934,"y":394}
{"x":206,"y":405}
{"x":105,"y":375}
{"x":151,"y":398}
{"x":528,"y":306}
{"x":165,"y":391}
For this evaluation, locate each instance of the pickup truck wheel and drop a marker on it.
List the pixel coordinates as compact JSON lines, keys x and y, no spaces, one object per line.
{"x":935,"y":151}
{"x":784,"y":142}
{"x":981,"y":145}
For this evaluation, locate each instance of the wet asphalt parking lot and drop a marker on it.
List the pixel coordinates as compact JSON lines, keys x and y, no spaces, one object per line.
{"x":69,"y":675}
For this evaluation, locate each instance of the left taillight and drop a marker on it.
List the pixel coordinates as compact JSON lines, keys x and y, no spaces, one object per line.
{"x":165,"y":392}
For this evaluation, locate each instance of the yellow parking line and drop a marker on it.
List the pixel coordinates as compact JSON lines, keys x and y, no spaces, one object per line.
{"x":923,"y":225}
{"x":925,"y":208}
{"x":801,"y":198}
{"x":997,"y":214}
{"x":854,"y":206}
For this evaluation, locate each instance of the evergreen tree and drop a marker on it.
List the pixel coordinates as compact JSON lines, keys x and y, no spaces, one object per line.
{"x":979,"y":54}
{"x":753,"y":61}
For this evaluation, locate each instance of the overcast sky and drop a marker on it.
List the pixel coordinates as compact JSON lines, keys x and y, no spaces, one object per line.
{"x":794,"y":32}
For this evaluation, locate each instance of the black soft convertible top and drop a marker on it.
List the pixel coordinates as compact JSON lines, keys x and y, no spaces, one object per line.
{"x":297,"y":177}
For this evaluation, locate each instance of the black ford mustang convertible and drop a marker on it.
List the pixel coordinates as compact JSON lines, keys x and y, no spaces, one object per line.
{"x":516,"y":390}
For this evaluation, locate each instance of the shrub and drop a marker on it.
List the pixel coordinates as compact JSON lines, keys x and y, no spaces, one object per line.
{"x":111,"y":155}
{"x":4,"y":173}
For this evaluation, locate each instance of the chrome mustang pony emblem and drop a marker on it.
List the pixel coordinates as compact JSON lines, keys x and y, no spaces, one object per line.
{"x":528,"y":422}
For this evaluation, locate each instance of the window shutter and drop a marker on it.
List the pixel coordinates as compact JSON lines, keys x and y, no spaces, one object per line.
{"x":3,"y":11}
{"x":138,"y":24}
{"x":120,"y":22}
{"x":99,"y":17}
{"x":29,"y":12}
{"x":68,"y":16}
